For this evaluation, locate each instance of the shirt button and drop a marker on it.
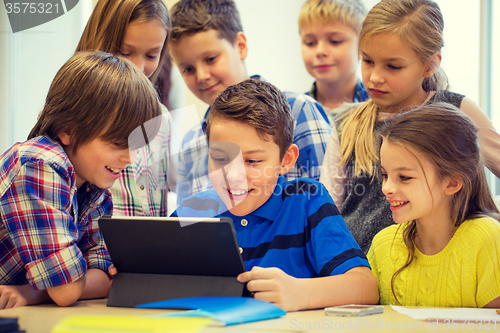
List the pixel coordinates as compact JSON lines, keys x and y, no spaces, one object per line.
{"x":244,"y":222}
{"x":142,"y":187}
{"x":241,"y":250}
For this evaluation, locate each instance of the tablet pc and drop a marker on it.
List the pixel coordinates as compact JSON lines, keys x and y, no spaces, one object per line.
{"x":163,"y":258}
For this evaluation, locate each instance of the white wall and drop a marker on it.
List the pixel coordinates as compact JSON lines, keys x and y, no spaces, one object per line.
{"x":274,"y":43}
{"x":5,"y":123}
{"x":29,"y":61}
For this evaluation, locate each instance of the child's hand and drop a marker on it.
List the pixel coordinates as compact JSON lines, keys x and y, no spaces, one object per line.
{"x":16,"y":296}
{"x":12,"y":297}
{"x":275,"y":286}
{"x":112,"y":270}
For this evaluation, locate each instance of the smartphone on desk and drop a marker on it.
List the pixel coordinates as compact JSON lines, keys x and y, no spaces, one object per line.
{"x":355,"y":310}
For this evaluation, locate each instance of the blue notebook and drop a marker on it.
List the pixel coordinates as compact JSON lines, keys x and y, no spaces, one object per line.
{"x":228,"y":310}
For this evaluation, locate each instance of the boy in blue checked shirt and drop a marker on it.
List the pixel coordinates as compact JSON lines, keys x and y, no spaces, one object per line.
{"x":329,"y":30}
{"x":209,"y":47}
{"x":296,"y":248}
{"x":53,"y":187}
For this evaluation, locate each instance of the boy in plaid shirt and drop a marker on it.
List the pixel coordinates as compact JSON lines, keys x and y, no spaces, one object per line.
{"x":54,"y":187}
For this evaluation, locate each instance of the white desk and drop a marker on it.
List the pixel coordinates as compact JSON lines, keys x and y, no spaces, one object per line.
{"x":42,"y":318}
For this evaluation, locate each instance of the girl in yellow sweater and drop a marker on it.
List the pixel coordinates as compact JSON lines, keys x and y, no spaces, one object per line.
{"x":445,"y":248}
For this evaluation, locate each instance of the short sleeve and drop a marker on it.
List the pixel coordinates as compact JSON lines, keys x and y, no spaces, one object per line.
{"x":332,"y":248}
{"x":372,"y":261}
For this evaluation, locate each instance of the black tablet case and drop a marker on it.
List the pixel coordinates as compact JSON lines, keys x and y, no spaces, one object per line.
{"x":165,"y":258}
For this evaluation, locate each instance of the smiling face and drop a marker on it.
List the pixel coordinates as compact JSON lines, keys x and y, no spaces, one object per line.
{"x":413,"y":194}
{"x":142,"y":44}
{"x":330,"y":52}
{"x":392,"y":73}
{"x":97,"y":162}
{"x":209,"y":64}
{"x":244,"y":167}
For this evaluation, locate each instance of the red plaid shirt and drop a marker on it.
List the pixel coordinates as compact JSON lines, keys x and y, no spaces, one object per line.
{"x":45,"y":238}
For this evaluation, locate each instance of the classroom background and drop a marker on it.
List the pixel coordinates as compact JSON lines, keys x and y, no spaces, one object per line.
{"x":30,"y":59}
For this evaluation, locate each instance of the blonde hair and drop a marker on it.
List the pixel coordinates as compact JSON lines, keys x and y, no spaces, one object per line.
{"x":420,"y":25}
{"x":106,"y":27}
{"x":97,"y":94}
{"x":448,"y":139}
{"x":321,"y":12}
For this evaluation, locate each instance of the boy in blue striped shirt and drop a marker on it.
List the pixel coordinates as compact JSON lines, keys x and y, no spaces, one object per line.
{"x":209,"y":47}
{"x":296,"y":248}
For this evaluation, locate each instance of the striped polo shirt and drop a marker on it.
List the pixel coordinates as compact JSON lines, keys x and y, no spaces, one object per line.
{"x":299,"y":230}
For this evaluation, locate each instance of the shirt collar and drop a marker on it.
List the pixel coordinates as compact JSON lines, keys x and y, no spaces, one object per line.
{"x":204,"y":124}
{"x":270,"y":209}
{"x":312,"y":92}
{"x":258,"y":77}
{"x":360,"y":93}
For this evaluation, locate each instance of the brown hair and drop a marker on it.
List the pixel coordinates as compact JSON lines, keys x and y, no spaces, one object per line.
{"x":192,"y":16}
{"x":448,"y":139}
{"x":349,"y":12}
{"x":163,"y":82}
{"x":96,"y":92}
{"x":106,"y":27}
{"x":258,"y":104}
{"x":420,"y":25}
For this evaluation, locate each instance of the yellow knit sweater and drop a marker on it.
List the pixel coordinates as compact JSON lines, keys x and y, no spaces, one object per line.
{"x":466,"y":273}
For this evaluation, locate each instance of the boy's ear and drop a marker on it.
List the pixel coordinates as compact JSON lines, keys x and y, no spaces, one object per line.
{"x":434,"y":63}
{"x":65,"y":138}
{"x":291,"y":155}
{"x":454,"y":184}
{"x":241,"y":44}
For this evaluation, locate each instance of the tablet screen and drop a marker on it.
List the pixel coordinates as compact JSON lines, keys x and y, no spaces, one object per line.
{"x":170,"y":245}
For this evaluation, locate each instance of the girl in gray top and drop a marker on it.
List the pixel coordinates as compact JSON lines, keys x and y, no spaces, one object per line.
{"x":400,"y":45}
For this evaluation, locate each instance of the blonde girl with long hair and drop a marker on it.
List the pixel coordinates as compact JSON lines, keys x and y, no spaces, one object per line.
{"x":137,"y":30}
{"x":400,"y":45}
{"x":445,"y":248}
